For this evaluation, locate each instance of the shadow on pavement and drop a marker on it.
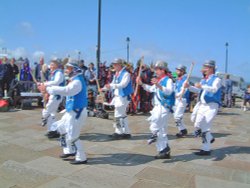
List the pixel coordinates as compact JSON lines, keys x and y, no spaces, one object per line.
{"x":216,"y":155}
{"x":121,"y":159}
{"x":228,"y":114}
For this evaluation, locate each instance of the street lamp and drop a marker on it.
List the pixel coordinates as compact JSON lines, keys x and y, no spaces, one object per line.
{"x":79,"y":56}
{"x":98,"y":51}
{"x":128,"y":40}
{"x":226,"y":63}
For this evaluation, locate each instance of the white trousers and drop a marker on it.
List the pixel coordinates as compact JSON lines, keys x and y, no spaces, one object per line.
{"x":50,"y":111}
{"x":158,"y":125}
{"x":120,"y":114}
{"x":179,"y":110}
{"x":204,"y":117}
{"x":71,"y":128}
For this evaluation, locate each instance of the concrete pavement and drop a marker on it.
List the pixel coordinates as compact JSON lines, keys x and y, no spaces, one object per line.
{"x":28,"y":159}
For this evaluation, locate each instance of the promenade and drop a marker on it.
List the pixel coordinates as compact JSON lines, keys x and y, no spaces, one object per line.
{"x":28,"y":159}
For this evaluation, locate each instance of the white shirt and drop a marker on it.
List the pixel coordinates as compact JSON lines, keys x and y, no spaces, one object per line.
{"x":167,"y":90}
{"x":58,"y":79}
{"x":124,"y":82}
{"x":213,"y":89}
{"x":73,"y":88}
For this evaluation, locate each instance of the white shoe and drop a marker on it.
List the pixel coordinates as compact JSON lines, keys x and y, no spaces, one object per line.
{"x":244,"y":108}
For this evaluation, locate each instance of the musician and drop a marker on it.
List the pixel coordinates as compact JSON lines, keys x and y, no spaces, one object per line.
{"x":182,"y":99}
{"x":163,"y":90}
{"x":144,"y":97}
{"x":49,"y":112}
{"x":75,"y":116}
{"x":209,"y":90}
{"x":122,"y":87}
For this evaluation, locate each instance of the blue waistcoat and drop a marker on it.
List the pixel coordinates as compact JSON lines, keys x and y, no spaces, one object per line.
{"x":179,"y":84}
{"x":128,"y":89}
{"x":209,"y":96}
{"x":78,"y":101}
{"x":167,"y":101}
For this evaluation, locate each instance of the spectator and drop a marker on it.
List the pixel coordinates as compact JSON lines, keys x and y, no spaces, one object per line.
{"x":25,"y":75}
{"x":14,"y":69}
{"x":6,"y":75}
{"x":228,"y":89}
{"x":41,"y":71}
{"x":91,"y":75}
{"x":246,"y":98}
{"x":2,"y":72}
{"x":83,"y":67}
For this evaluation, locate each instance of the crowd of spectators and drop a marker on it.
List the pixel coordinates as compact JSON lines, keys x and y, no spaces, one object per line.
{"x":12,"y":72}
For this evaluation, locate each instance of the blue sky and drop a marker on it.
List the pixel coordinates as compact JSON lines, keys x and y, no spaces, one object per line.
{"x":178,"y":31}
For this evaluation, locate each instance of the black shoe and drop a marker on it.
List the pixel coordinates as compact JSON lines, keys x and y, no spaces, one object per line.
{"x":53,"y":134}
{"x":212,"y":141}
{"x":152,"y":139}
{"x":203,"y":153}
{"x":44,"y":121}
{"x":182,"y":133}
{"x":78,"y":162}
{"x":197,"y":133}
{"x":116,"y":136}
{"x":126,"y":136}
{"x":64,"y":156}
{"x":164,"y":154}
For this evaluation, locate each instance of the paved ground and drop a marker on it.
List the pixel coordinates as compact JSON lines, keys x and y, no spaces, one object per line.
{"x":28,"y":159}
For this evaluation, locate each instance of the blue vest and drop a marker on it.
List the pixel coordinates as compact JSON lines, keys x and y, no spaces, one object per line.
{"x":78,"y":101}
{"x":128,"y":89}
{"x":179,"y":84}
{"x":53,"y":77}
{"x":209,"y":96}
{"x":167,"y":101}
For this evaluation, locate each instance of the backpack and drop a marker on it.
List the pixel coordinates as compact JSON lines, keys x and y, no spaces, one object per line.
{"x":4,"y":105}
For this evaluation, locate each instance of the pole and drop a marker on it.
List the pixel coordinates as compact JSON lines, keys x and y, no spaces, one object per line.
{"x":128,"y":40}
{"x":79,"y":56}
{"x":226,"y":63}
{"x":98,"y":51}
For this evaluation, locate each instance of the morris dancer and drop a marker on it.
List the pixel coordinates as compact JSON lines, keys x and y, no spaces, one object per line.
{"x":163,"y":90}
{"x":181,"y":101}
{"x":75,"y":116}
{"x":122,"y":87}
{"x":49,"y":112}
{"x":206,"y":110}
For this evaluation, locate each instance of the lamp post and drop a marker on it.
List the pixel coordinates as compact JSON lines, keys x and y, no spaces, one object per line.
{"x":98,"y":51}
{"x":79,"y":56}
{"x":226,"y":63}
{"x":128,"y":40}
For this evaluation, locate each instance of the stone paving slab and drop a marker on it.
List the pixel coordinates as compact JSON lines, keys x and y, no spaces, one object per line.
{"x":62,"y":183}
{"x":17,"y":153}
{"x":6,"y":183}
{"x":54,"y":166}
{"x":22,"y":176}
{"x":151,"y":184}
{"x":101,"y":178}
{"x":32,"y":144}
{"x":170,"y":178}
{"x":206,"y":182}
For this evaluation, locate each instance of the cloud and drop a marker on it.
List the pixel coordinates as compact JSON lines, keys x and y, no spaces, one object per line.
{"x":37,"y":55}
{"x":19,"y":52}
{"x":1,"y":42}
{"x":154,"y":54}
{"x":26,"y":28}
